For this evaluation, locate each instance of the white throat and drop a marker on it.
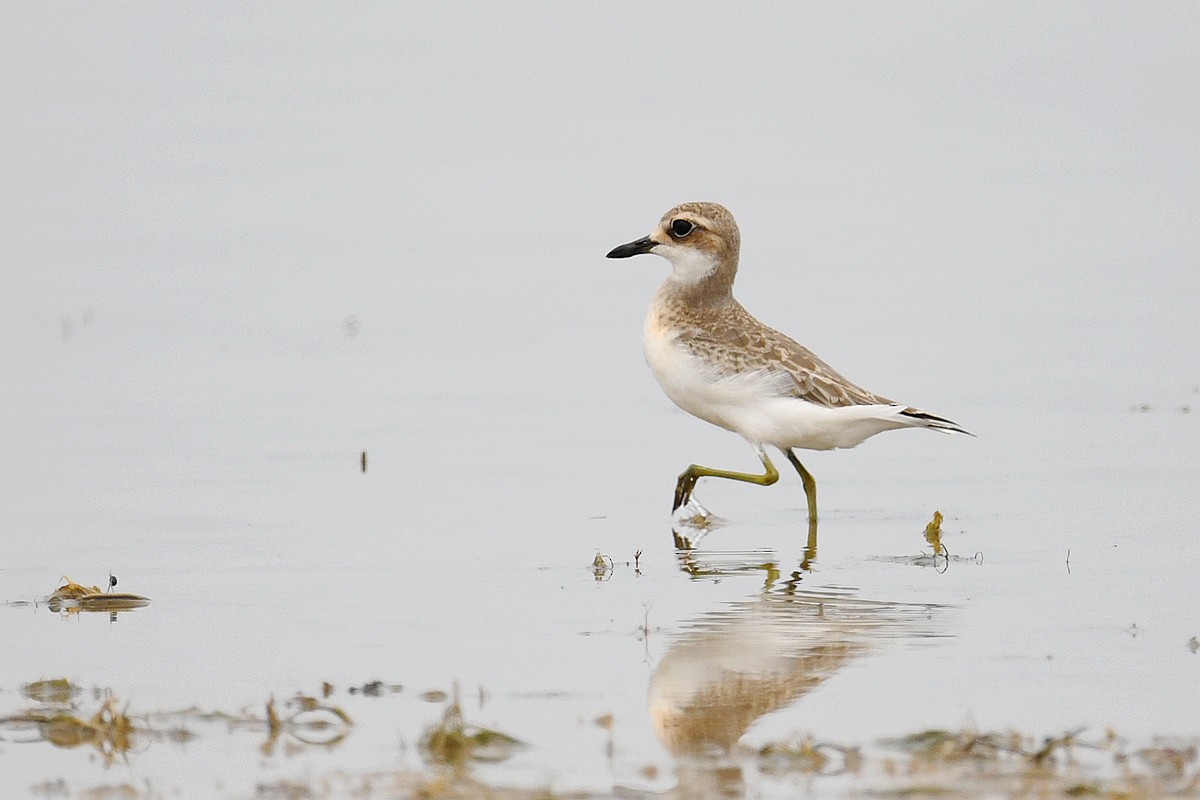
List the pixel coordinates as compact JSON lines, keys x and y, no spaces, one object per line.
{"x":689,"y":265}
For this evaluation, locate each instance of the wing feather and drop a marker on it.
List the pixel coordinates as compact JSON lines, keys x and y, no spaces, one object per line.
{"x":740,"y":344}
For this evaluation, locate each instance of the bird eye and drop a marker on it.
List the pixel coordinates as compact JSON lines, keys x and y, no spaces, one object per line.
{"x":681,"y":227}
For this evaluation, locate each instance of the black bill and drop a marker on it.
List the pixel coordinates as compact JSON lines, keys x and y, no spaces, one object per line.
{"x":643,"y":245}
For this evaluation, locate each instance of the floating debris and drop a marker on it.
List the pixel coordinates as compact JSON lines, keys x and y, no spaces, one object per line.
{"x":941,"y":745}
{"x":940,"y":559}
{"x":110,"y":730}
{"x":72,"y":597}
{"x":311,"y":722}
{"x":56,"y":690}
{"x":376,"y":689}
{"x":927,"y":763}
{"x":602,"y":565}
{"x":115,"y":733}
{"x":73,"y":591}
{"x":933,"y":534}
{"x":969,"y":763}
{"x":803,"y":755}
{"x":454,"y":743}
{"x":701,"y":521}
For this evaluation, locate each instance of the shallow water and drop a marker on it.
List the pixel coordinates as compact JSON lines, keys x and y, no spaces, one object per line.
{"x":240,"y":248}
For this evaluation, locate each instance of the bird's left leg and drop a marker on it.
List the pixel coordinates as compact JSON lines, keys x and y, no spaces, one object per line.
{"x":687,"y":481}
{"x":810,"y":484}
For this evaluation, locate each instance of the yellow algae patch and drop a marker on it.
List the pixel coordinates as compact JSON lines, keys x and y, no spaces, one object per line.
{"x":933,"y":534}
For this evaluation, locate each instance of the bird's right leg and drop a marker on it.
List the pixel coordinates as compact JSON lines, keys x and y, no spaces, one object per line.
{"x":687,"y":481}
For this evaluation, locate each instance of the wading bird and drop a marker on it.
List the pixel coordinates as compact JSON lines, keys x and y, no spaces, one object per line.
{"x":719,"y":363}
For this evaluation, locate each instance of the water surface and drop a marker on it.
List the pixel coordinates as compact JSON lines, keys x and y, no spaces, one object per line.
{"x":242,"y":246}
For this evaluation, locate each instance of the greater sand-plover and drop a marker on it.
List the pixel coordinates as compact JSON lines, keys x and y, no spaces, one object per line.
{"x":719,"y":363}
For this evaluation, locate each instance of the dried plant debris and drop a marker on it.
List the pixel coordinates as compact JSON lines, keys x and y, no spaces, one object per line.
{"x":55,"y":690}
{"x":802,"y":754}
{"x":601,"y":566}
{"x":114,"y":732}
{"x":454,"y":743}
{"x":306,"y":720}
{"x":933,"y":535}
{"x":967,"y":763}
{"x":941,"y":558}
{"x":74,"y":597}
{"x":373,"y":689}
{"x":110,"y":729}
{"x":930,"y":763}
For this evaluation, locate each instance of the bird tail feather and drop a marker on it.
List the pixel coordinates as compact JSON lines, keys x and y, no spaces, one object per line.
{"x":923,"y":419}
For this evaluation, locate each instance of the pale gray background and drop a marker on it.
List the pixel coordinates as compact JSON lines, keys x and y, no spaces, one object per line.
{"x":241,"y":243}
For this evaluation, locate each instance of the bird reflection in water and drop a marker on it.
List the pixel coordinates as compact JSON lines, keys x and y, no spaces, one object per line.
{"x":729,"y":668}
{"x":688,"y":536}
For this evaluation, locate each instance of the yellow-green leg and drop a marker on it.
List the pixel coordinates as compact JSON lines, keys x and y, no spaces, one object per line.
{"x":810,"y":549}
{"x":810,"y":484}
{"x":687,"y":481}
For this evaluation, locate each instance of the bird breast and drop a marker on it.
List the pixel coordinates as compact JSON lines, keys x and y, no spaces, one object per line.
{"x":702,"y":387}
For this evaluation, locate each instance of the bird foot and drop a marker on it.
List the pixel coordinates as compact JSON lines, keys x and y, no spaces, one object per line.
{"x":683,"y":490}
{"x":695,"y":516}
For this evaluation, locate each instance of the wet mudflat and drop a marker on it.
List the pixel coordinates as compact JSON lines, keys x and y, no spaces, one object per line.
{"x":233,"y":265}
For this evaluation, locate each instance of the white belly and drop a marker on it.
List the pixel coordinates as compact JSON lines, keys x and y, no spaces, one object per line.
{"x":757,"y":405}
